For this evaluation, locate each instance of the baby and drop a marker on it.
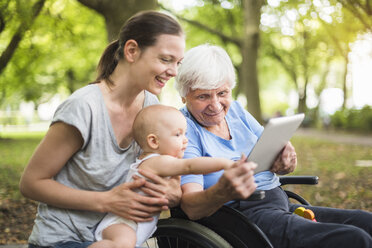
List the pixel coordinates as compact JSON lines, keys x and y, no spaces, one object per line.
{"x":160,"y":132}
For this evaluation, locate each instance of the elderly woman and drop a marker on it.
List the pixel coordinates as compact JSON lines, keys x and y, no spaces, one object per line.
{"x":220,"y":127}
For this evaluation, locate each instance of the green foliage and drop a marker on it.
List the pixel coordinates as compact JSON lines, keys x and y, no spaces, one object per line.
{"x":358,"y":120}
{"x":60,"y":52}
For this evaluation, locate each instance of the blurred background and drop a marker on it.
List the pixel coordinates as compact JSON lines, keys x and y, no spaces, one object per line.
{"x":291,"y":56}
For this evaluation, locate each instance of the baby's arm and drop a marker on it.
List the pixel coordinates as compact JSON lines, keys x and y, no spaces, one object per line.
{"x":165,"y":165}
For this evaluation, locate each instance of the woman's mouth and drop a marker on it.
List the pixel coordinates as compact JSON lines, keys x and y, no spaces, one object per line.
{"x":161,"y":82}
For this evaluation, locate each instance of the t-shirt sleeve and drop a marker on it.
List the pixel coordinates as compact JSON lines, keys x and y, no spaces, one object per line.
{"x":193,"y":150}
{"x":77,"y":113}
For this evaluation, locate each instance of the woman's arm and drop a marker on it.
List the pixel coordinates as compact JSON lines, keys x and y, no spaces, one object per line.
{"x":57,"y":147}
{"x":237,"y":182}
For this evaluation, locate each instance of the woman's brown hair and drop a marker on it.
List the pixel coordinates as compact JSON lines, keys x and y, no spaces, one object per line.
{"x":144,"y":27}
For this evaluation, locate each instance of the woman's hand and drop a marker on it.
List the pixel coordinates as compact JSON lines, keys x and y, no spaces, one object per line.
{"x":160,"y":187}
{"x":124,"y":202}
{"x":238,"y":181}
{"x":286,"y":161}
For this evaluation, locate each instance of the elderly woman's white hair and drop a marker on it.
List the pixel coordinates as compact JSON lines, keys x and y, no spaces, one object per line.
{"x":204,"y":67}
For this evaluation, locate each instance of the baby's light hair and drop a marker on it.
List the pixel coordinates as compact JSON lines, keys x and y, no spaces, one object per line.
{"x":148,"y":120}
{"x":204,"y":67}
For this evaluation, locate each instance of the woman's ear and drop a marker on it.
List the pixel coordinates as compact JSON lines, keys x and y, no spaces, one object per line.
{"x":183,"y":100}
{"x":152,"y":141}
{"x":131,"y":50}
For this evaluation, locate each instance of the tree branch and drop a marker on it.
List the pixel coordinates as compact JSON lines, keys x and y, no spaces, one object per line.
{"x":224,"y":37}
{"x":17,"y":37}
{"x":358,"y":12}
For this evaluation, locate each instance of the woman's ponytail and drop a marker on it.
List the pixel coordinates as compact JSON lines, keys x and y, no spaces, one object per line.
{"x":108,"y":63}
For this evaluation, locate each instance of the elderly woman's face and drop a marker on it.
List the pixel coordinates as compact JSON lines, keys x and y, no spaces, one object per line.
{"x":209,"y":107}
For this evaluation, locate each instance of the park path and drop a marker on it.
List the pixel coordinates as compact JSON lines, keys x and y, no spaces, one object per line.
{"x":337,"y":137}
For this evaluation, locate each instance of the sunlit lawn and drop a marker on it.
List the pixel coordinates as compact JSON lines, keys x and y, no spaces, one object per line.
{"x":342,"y":184}
{"x":15,"y":151}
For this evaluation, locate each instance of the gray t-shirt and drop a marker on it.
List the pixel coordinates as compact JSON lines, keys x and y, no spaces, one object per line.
{"x":98,"y":166}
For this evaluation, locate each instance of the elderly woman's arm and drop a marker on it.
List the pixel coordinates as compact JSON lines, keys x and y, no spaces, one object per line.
{"x":236,"y":183}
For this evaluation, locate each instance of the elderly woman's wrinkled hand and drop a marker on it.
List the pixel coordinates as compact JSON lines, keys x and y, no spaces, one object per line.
{"x":286,"y":161}
{"x":238,"y":181}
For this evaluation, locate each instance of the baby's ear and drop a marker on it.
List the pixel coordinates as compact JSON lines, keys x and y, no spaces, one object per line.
{"x":152,"y":141}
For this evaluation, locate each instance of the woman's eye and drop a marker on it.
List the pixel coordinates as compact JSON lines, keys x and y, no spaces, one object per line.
{"x":202,"y":97}
{"x":166,"y":60}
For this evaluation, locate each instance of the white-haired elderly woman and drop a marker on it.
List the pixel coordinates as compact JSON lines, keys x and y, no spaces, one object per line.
{"x":221,"y":127}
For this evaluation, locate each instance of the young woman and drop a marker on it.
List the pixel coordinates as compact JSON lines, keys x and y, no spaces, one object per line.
{"x":77,"y":172}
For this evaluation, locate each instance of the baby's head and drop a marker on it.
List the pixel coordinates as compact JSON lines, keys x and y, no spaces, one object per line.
{"x":161,"y":129}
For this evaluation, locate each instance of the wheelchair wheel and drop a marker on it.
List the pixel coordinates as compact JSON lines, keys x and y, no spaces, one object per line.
{"x":174,"y":232}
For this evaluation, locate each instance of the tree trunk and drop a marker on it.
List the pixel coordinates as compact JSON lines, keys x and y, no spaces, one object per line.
{"x":116,"y":12}
{"x":344,"y":81}
{"x":249,"y":50}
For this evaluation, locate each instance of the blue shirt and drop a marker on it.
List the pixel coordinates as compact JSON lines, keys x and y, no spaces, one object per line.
{"x":244,"y":132}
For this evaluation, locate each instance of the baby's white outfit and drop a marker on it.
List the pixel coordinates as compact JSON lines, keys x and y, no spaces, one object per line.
{"x":144,"y":230}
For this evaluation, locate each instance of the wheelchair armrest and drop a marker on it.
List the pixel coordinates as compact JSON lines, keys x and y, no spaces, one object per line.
{"x":298,"y":180}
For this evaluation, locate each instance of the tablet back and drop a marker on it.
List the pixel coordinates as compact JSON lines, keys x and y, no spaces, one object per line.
{"x":275,"y":136}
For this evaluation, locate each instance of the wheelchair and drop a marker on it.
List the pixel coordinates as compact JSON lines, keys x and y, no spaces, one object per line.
{"x":225,"y":228}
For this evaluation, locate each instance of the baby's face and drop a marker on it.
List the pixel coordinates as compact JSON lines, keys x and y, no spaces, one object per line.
{"x":172,"y":135}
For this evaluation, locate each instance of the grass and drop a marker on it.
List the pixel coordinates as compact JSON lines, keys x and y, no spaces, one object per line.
{"x":15,"y":151}
{"x":341,"y":184}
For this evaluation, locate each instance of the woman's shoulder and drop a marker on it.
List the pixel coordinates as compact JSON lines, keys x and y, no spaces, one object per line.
{"x":89,"y":92}
{"x":189,"y":118}
{"x":237,"y":110}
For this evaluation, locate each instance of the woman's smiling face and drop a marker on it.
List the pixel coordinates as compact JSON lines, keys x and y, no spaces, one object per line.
{"x":209,"y":107}
{"x":158,"y":63}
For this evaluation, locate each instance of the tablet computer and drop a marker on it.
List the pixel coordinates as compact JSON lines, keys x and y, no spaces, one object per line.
{"x":278,"y":131}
